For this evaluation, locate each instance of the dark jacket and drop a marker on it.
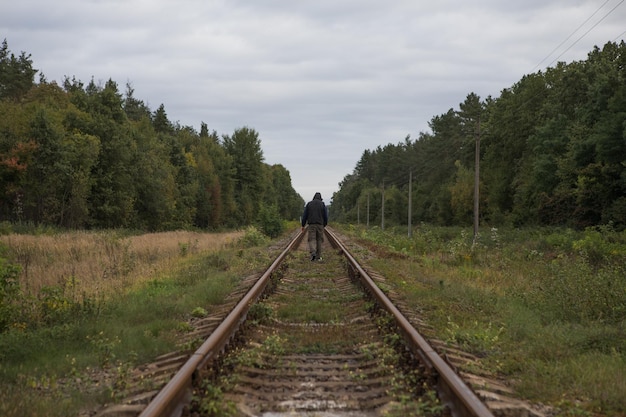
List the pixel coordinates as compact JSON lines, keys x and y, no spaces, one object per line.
{"x":315,"y":212}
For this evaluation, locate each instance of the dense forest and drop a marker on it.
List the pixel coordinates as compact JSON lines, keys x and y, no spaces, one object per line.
{"x":89,"y":156}
{"x":552,"y":152}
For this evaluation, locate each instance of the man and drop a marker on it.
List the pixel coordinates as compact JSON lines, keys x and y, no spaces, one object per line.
{"x":316,"y":216}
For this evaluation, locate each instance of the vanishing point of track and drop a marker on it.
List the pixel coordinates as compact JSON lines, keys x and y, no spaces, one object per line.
{"x":307,"y":339}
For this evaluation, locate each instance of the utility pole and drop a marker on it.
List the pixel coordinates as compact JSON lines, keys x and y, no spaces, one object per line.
{"x":410,"y":194}
{"x":476,"y":180}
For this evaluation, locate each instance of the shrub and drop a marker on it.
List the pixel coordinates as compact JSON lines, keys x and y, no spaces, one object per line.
{"x":9,"y":292}
{"x":601,"y":245}
{"x":269,"y":221}
{"x":580,"y":292}
{"x":252,"y":237}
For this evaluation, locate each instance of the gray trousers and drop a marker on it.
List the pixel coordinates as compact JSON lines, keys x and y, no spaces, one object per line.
{"x":316,"y":237}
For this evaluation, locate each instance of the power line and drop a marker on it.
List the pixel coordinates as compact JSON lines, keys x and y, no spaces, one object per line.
{"x":585,"y":34}
{"x":570,"y":35}
{"x":619,"y":36}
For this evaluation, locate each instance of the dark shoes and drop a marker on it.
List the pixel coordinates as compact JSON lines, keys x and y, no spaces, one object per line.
{"x":312,"y":257}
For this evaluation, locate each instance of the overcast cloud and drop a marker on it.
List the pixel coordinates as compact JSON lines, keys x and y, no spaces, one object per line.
{"x":321,"y":81}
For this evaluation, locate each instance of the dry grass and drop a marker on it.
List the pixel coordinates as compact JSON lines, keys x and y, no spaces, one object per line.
{"x":101,"y":264}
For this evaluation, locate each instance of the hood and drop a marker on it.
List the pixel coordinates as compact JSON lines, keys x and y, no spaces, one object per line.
{"x":317,"y":196}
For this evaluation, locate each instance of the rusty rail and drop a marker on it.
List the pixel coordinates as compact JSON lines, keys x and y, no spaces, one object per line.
{"x":170,"y":401}
{"x":458,"y":396}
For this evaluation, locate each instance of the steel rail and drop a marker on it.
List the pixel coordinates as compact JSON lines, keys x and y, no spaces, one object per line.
{"x":458,"y":396}
{"x":171,"y":399}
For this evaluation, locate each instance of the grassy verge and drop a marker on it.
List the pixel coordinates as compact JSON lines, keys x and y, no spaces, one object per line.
{"x":69,"y":361}
{"x":546,"y":309}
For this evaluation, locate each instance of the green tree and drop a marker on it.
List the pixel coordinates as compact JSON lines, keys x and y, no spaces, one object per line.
{"x":17,"y":152}
{"x":553,"y":151}
{"x":186,"y":177}
{"x":113,"y":193}
{"x":348,"y":203}
{"x":161,"y":122}
{"x":16,"y":73}
{"x":216,"y":180}
{"x":81,"y":152}
{"x":461,"y":195}
{"x":506,"y":169}
{"x":56,"y":185}
{"x":85,"y":156}
{"x":244,"y":147}
{"x":9,"y":292}
{"x":288,"y":202}
{"x":154,"y":179}
{"x":135,"y":109}
{"x":47,"y":175}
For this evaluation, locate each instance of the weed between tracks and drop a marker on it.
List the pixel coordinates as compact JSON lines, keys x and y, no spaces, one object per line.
{"x":312,"y":319}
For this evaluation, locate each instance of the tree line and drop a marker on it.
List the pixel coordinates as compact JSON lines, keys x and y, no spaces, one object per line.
{"x":82,"y":155}
{"x":552,"y":152}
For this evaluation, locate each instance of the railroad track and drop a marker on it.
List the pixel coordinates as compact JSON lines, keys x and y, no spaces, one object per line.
{"x":312,"y":338}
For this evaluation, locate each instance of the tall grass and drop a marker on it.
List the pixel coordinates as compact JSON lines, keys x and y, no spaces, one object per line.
{"x":73,"y":362}
{"x":62,"y":274}
{"x":544,"y":307}
{"x":102,"y":262}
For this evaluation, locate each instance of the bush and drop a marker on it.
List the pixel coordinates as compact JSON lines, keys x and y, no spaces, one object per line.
{"x":9,"y":292}
{"x":252,"y":237}
{"x":601,"y":245}
{"x":269,"y":221}
{"x":580,"y":293}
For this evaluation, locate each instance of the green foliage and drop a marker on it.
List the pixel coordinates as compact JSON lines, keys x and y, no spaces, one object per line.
{"x":478,"y":338}
{"x":40,"y":363}
{"x":529,"y":303}
{"x":55,"y":305}
{"x":602,"y":246}
{"x":9,"y":293}
{"x":260,"y":313}
{"x":244,"y":147}
{"x":210,"y":401}
{"x":552,"y":153}
{"x":199,"y":312}
{"x":288,"y":202}
{"x":253,"y":237}
{"x":579,"y":293}
{"x":584,"y":282}
{"x":16,"y":73}
{"x":105,"y":347}
{"x":462,"y":194}
{"x":86,"y":156}
{"x":270,"y":222}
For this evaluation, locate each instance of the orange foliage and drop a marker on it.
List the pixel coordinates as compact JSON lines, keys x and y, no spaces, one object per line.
{"x":18,"y":157}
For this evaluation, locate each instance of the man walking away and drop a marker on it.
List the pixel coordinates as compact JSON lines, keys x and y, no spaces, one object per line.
{"x":316,"y":216}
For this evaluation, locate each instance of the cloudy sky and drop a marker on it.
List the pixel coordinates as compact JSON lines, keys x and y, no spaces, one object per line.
{"x":319,"y":80}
